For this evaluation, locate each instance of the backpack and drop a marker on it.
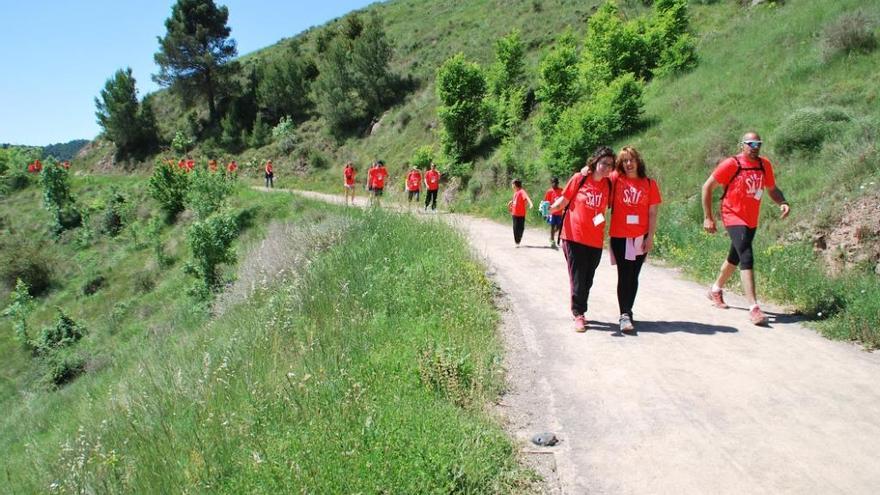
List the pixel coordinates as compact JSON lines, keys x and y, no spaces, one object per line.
{"x":565,"y":210}
{"x":740,"y":168}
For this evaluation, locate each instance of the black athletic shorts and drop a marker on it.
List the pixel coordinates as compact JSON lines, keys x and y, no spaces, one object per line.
{"x":740,"y":253}
{"x":377,"y":191}
{"x":412,"y":194}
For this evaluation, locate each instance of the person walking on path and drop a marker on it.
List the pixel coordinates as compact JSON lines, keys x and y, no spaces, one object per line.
{"x":517,"y":208}
{"x":270,"y":174}
{"x":232,"y":168}
{"x":554,"y":219}
{"x":581,"y":206}
{"x":432,"y":186}
{"x":635,"y":200}
{"x":413,"y":184}
{"x":378,"y":174}
{"x":744,"y":178}
{"x":348,"y":175}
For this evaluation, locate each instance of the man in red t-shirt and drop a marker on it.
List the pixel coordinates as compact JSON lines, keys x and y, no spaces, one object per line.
{"x":744,"y":178}
{"x":270,"y":174}
{"x":348,"y":174}
{"x":378,"y":176}
{"x":517,"y":208}
{"x":413,"y":184}
{"x":432,"y":186}
{"x":555,"y":220}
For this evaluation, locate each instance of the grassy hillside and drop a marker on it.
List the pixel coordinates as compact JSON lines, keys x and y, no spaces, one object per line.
{"x":324,"y":366}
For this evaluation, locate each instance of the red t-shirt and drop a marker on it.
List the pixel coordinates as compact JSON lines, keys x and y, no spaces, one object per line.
{"x":232,"y":167}
{"x":349,"y":174}
{"x":583,"y":224}
{"x":632,"y":199}
{"x":432,"y":178}
{"x":268,"y":168}
{"x":413,"y":181}
{"x":742,"y":202}
{"x":551,"y":195}
{"x":379,"y":175}
{"x":520,"y":198}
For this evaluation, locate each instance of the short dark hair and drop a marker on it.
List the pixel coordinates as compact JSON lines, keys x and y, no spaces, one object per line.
{"x":517,"y":183}
{"x":555,"y":181}
{"x":600,"y":153}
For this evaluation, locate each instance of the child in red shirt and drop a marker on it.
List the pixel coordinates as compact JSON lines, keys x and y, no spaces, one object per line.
{"x":348,"y":174}
{"x":517,"y":208}
{"x":555,"y":220}
{"x":270,"y":174}
{"x":413,"y":184}
{"x":432,"y":186}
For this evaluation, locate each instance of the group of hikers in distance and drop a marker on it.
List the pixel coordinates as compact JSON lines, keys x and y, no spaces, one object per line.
{"x":620,"y":183}
{"x":378,"y":173}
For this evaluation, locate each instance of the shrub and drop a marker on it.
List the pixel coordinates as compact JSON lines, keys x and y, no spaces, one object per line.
{"x":21,"y":305}
{"x":852,"y":32}
{"x":207,"y":192}
{"x":62,"y":366}
{"x":423,"y":157}
{"x":168,"y":187}
{"x":94,"y":285}
{"x":112,"y":219}
{"x":211,"y":243}
{"x":317,"y":160}
{"x":58,"y":199}
{"x":805,"y":129}
{"x":25,"y":261}
{"x":154,"y":238}
{"x":261,"y":133}
{"x":284,"y":128}
{"x":461,"y":87}
{"x":64,"y":333}
{"x":447,"y":371}
{"x":181,"y":143}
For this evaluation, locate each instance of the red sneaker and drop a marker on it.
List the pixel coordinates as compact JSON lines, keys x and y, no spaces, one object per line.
{"x":580,"y":324}
{"x":757,"y":316}
{"x":717,"y":299}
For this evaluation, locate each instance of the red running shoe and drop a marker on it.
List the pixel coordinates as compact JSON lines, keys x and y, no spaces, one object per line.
{"x":580,"y":324}
{"x":717,"y":299}
{"x":757,"y":316}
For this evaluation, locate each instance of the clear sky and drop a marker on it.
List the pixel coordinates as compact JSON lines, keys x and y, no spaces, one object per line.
{"x":56,"y":55}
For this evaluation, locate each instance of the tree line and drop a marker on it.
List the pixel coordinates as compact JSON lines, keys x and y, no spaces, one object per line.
{"x":347,"y":82}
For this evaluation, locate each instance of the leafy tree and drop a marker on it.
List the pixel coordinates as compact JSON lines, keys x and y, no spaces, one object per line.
{"x":558,"y":81}
{"x":129,"y":124}
{"x":507,"y":100}
{"x":261,"y":132}
{"x":211,"y":243}
{"x":195,"y":55}
{"x":58,"y":199}
{"x":354,"y":82}
{"x":423,"y":157}
{"x":168,"y":187}
{"x":285,"y":85}
{"x":21,"y":305}
{"x":461,"y":87}
{"x":207,"y":192}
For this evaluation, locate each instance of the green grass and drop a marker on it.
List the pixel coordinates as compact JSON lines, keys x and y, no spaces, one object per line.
{"x":353,"y":375}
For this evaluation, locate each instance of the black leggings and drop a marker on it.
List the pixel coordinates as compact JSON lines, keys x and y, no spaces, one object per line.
{"x":627,"y":275}
{"x":270,"y":182}
{"x":519,"y":226}
{"x":582,"y":263}
{"x":740,"y":253}
{"x":431,"y":198}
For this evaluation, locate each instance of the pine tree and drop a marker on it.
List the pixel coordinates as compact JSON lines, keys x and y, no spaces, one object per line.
{"x":195,"y":56}
{"x":130,"y":125}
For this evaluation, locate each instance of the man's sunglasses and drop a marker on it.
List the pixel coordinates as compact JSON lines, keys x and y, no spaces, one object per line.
{"x":753,"y":144}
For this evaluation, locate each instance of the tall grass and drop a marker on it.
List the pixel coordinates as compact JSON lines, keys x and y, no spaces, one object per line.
{"x":309,"y":387}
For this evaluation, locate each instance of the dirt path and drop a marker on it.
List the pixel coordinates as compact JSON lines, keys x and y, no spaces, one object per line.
{"x":700,"y":401}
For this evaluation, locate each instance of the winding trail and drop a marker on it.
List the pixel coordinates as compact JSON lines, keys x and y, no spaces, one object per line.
{"x":700,"y":401}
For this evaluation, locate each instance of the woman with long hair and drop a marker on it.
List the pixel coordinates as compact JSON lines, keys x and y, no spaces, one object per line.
{"x":582,"y":205}
{"x":634,"y":204}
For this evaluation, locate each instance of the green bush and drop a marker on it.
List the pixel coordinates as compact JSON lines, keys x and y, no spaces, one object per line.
{"x":23,"y":259}
{"x":852,"y":32}
{"x":62,"y":366}
{"x":447,"y":371}
{"x":182,"y":143}
{"x":806,"y":129}
{"x":168,"y":186}
{"x":112,"y":221}
{"x":21,"y":305}
{"x":58,"y":199}
{"x":423,"y":157}
{"x":64,"y":333}
{"x":211,"y":243}
{"x":461,"y":87}
{"x":207,"y":192}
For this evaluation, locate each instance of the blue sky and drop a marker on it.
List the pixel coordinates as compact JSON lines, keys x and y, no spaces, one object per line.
{"x":57,"y":54}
